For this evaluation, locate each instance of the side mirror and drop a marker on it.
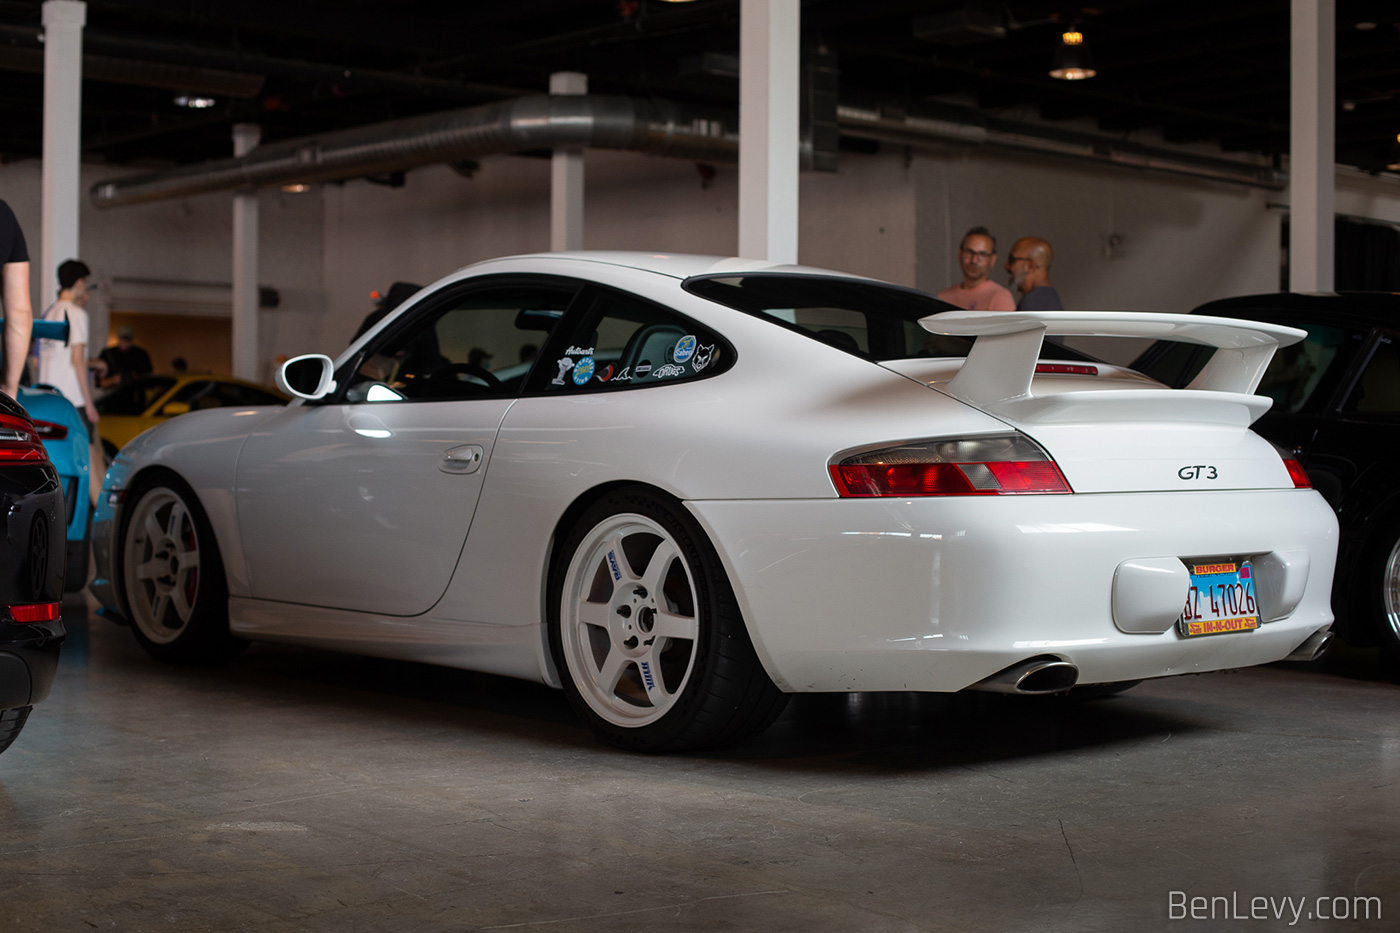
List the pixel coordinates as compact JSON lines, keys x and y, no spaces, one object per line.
{"x":171,"y":409}
{"x":310,"y":377}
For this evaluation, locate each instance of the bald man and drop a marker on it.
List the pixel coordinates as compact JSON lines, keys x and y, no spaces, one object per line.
{"x":1029,"y":265}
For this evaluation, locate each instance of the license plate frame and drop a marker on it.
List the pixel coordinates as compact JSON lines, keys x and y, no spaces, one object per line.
{"x":1221,"y":600}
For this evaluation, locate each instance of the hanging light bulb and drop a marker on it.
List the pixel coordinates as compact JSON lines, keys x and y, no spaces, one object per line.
{"x":1072,"y":61}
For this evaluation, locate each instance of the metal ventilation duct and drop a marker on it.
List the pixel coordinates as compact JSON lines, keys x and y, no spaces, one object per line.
{"x":526,"y":123}
{"x":602,"y":122}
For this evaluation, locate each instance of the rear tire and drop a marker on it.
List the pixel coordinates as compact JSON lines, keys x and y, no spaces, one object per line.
{"x":173,"y":576}
{"x":11,"y":722}
{"x":646,"y":633}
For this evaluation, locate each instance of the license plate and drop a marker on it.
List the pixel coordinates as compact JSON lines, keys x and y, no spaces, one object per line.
{"x":1221,"y":599}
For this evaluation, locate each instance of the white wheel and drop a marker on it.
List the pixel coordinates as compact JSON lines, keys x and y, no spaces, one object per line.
{"x":173,"y":577}
{"x":629,"y":620}
{"x":1389,"y":628}
{"x":646,"y":633}
{"x":162,"y":566}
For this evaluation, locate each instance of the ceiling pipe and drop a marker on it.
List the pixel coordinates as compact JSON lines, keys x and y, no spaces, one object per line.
{"x":545,"y":122}
{"x":915,"y":130}
{"x":538,"y":122}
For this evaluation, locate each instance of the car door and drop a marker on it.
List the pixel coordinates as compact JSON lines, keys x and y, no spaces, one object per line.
{"x":1352,"y":453}
{"x":363,"y":501}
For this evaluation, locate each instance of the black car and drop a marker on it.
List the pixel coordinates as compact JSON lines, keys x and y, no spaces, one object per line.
{"x":31,"y":569}
{"x":1337,"y":409}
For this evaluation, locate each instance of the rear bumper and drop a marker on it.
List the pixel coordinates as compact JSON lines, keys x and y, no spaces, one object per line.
{"x":28,"y":662}
{"x":938,"y":594}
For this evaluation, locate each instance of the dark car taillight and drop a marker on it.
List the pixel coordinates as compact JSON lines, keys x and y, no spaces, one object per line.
{"x":34,"y":612}
{"x":48,"y":431}
{"x":1000,"y":465}
{"x":1296,"y":472}
{"x":19,"y":440}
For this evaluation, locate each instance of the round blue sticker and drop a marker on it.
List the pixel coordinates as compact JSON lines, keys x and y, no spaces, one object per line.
{"x":685,"y":349}
{"x":583,"y":370}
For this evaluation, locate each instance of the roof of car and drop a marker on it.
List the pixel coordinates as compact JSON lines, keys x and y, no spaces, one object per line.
{"x":677,"y":265}
{"x":1368,"y":307}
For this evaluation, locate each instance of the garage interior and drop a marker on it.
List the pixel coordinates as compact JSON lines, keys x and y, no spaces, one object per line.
{"x":296,"y":789}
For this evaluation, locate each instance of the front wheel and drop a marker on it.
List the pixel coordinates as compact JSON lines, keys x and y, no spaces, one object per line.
{"x":646,"y":633}
{"x":173,"y":576}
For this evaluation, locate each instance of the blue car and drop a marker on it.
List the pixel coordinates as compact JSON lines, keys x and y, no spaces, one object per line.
{"x":61,"y":429}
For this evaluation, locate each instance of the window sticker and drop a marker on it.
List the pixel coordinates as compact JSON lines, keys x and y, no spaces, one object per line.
{"x":702,"y":357}
{"x":643,"y":368}
{"x":668,"y":371}
{"x":685,"y":349}
{"x":624,"y":376}
{"x":583,"y":370}
{"x":579,"y":351}
{"x":605,"y":373}
{"x":565,"y":364}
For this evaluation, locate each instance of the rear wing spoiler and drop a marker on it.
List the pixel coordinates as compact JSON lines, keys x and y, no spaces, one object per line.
{"x":997,"y":374}
{"x":1002,"y":361}
{"x":49,"y":330}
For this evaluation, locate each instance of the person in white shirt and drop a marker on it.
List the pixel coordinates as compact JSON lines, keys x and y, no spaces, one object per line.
{"x":64,"y":365}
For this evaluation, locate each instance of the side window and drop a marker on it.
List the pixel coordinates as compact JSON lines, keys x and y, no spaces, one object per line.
{"x":479,"y":342}
{"x":214,"y":394}
{"x":627,"y":342}
{"x":1378,"y":389}
{"x":197,"y":395}
{"x":135,"y":398}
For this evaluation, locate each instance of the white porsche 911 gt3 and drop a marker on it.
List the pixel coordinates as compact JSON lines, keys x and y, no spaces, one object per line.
{"x":681,"y":488}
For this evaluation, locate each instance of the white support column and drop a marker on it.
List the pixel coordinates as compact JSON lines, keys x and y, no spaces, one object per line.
{"x":245,"y":264}
{"x":1312,"y":160}
{"x":63,"y":108}
{"x":566,"y":176}
{"x":769,"y":96}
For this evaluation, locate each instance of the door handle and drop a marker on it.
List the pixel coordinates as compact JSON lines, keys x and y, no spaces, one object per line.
{"x":464,"y":459}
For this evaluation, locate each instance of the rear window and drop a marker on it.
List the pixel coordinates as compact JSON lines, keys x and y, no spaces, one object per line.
{"x":871,"y":320}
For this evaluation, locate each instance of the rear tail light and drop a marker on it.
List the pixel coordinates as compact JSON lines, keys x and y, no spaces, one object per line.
{"x":48,"y":431}
{"x":19,"y":440}
{"x":1296,"y":472}
{"x":1009,"y":464}
{"x":34,"y":612}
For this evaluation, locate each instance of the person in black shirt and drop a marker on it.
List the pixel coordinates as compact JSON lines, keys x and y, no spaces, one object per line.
{"x":19,"y":313}
{"x":125,"y":361}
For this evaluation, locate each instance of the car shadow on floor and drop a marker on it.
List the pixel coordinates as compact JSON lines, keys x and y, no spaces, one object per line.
{"x":881,"y":731}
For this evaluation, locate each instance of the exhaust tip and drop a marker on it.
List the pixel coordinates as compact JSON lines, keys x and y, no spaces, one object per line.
{"x":1312,"y":649}
{"x":1053,"y":677}
{"x":1034,"y":677}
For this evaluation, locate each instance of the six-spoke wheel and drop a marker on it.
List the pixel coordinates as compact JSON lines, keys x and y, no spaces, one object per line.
{"x":646,"y":633}
{"x":172,"y":576}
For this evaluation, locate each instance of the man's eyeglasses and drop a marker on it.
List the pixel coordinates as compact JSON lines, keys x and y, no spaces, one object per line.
{"x":979,"y":253}
{"x":1013,"y":259}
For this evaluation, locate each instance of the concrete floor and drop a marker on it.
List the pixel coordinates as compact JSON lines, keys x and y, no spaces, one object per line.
{"x":301,"y":790}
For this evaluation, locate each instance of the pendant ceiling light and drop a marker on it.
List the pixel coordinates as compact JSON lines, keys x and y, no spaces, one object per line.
{"x":1072,"y":61}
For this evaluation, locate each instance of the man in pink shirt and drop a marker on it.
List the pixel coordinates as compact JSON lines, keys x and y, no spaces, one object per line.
{"x":978,"y":257}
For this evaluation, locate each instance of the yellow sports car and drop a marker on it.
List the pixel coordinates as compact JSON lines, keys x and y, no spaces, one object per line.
{"x":145,"y":402}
